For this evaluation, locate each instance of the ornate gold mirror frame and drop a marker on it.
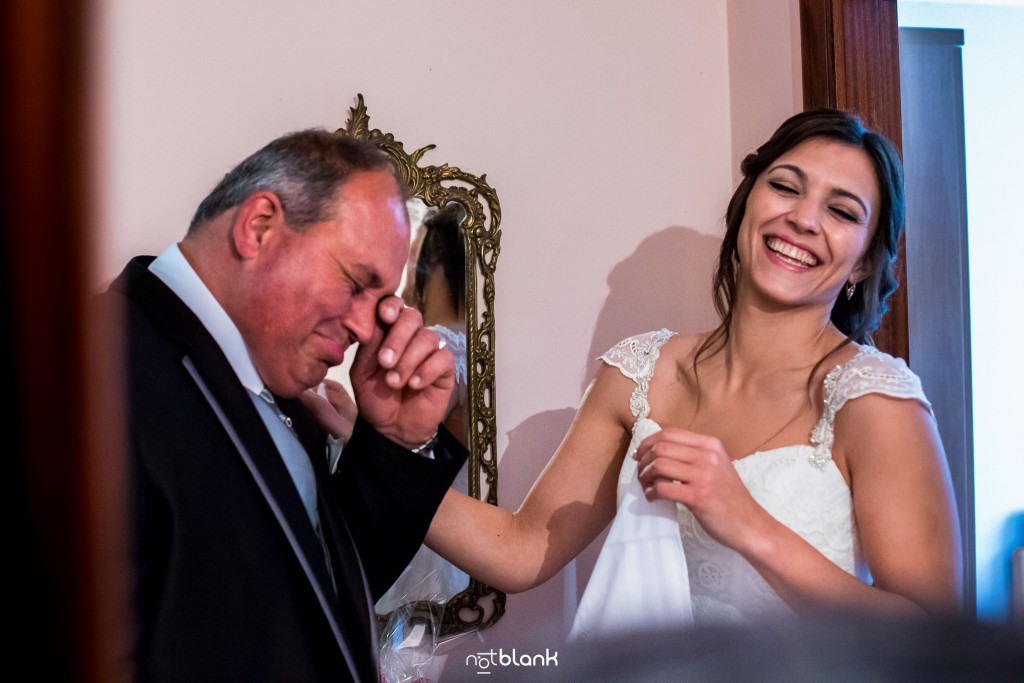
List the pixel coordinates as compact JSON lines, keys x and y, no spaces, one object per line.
{"x":478,"y":606}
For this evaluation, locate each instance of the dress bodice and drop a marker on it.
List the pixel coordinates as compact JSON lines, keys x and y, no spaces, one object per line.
{"x":799,"y":484}
{"x":815,"y":503}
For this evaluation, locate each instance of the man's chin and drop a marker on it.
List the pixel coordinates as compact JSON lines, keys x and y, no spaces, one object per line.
{"x":294,"y":387}
{"x":316,"y":376}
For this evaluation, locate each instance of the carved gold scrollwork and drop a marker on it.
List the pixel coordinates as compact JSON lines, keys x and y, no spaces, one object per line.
{"x":478,"y":606}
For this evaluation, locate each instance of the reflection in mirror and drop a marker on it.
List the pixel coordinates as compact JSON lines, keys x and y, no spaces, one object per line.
{"x":434,"y":283}
{"x":436,"y":286}
{"x":450,"y":279}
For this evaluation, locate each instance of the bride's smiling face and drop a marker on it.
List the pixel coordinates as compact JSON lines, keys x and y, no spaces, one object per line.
{"x":808,"y":222}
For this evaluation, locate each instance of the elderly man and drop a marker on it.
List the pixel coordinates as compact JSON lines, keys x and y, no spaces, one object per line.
{"x":256,"y":556}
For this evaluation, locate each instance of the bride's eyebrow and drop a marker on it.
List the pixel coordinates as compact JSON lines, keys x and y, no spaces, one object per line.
{"x":850,"y":195}
{"x":799,"y":172}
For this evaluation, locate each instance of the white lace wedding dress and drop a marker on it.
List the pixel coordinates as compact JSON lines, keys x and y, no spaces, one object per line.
{"x":659,"y":568}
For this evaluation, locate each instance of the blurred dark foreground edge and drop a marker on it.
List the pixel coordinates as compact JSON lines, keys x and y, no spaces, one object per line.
{"x":843,"y":649}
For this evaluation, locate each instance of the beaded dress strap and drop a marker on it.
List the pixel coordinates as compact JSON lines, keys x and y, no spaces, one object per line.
{"x":870,"y":371}
{"x":635,"y":357}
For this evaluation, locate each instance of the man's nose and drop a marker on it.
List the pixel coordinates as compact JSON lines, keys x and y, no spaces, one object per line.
{"x":361,"y":318}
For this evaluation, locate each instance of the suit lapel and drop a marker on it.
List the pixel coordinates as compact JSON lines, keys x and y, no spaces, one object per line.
{"x":204,"y":361}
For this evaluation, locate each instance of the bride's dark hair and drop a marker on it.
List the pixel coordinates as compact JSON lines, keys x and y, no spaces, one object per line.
{"x":860,"y":315}
{"x":444,"y":246}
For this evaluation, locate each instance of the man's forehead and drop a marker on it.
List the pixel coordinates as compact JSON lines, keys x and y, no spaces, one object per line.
{"x":380,"y":182}
{"x":376,"y":263}
{"x":374,"y":192}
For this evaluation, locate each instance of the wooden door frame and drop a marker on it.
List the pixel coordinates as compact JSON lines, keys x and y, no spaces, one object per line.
{"x":850,"y":51}
{"x":65,"y":471}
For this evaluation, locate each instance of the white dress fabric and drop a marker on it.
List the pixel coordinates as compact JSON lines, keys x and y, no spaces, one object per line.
{"x":659,"y":568}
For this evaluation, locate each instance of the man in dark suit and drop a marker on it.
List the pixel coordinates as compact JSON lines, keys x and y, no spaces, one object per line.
{"x":256,"y":556}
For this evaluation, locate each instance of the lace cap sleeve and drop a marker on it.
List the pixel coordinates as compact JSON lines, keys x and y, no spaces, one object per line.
{"x":869,"y":372}
{"x":456,"y":342}
{"x":635,"y":358}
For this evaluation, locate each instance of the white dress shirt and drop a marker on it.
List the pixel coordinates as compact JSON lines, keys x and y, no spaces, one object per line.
{"x":176,"y":272}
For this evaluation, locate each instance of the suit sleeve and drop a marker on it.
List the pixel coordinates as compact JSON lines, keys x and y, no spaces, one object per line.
{"x":389,"y":496}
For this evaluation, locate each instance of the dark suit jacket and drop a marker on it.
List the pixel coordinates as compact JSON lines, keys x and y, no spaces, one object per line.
{"x":231,"y":582}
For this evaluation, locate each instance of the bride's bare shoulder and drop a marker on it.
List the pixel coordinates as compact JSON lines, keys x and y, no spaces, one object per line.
{"x":676,"y":363}
{"x":682,"y":349}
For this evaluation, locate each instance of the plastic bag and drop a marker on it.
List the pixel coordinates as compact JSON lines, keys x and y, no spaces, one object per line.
{"x":410,"y":619}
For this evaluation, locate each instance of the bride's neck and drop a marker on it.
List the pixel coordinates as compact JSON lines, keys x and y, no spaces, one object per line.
{"x":768,"y":343}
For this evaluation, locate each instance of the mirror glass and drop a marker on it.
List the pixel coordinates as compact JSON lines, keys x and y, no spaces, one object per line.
{"x":435,"y":284}
{"x":450,"y":279}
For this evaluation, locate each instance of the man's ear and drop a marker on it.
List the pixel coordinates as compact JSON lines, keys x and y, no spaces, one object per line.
{"x":258,"y":216}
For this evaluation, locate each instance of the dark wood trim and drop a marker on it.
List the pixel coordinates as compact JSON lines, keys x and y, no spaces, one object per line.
{"x":64,"y":475}
{"x":850,"y":51}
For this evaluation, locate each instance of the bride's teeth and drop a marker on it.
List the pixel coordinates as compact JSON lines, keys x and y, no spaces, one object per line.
{"x":789,"y":251}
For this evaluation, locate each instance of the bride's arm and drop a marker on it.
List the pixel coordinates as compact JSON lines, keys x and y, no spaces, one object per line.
{"x":903,"y":506}
{"x":903,"y":501}
{"x":571,"y":502}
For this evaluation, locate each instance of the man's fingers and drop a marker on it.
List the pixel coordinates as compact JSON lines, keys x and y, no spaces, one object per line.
{"x":423,"y":361}
{"x":390,"y":307}
{"x":339,"y":398}
{"x":411,"y":355}
{"x":389,"y":310}
{"x":405,"y":324}
{"x":330,"y":418}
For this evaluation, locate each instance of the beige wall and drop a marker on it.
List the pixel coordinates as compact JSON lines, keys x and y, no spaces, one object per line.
{"x":610,"y":130}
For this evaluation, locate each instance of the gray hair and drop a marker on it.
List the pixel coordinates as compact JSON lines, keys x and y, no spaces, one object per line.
{"x":303,"y":168}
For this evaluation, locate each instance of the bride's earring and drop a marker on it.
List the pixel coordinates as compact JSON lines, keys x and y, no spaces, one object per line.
{"x":851,"y":287}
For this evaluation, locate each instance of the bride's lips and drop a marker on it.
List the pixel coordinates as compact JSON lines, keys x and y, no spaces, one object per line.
{"x":791,"y":253}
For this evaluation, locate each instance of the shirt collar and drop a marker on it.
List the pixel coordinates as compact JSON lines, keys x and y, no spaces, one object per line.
{"x":177,"y":273}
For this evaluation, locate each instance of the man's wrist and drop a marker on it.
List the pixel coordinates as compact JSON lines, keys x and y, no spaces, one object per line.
{"x":426,"y":448}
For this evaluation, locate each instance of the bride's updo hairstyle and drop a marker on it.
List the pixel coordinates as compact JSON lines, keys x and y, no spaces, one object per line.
{"x":859,"y":316}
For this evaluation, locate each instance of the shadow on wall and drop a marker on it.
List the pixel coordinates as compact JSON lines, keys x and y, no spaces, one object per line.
{"x":531,"y":444}
{"x":665,"y":282}
{"x":535,"y":615}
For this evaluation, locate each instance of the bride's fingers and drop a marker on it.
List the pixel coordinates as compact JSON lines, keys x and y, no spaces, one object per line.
{"x":665,"y":469}
{"x":677,"y":444}
{"x":667,"y":489}
{"x":666,"y":451}
{"x":680,"y":437}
